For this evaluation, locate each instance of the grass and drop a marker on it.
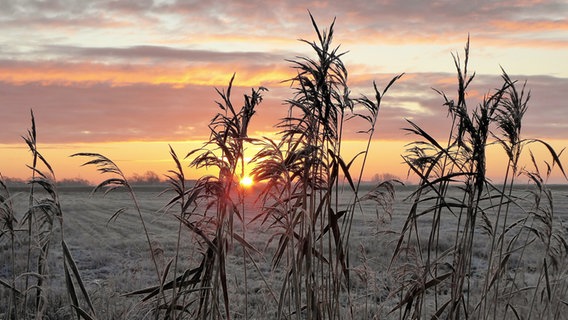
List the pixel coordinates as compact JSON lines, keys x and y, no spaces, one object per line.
{"x":28,"y":289}
{"x":318,"y":244}
{"x":482,"y":209}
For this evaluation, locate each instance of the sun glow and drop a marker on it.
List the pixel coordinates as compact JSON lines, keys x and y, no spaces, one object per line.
{"x":246,"y":182}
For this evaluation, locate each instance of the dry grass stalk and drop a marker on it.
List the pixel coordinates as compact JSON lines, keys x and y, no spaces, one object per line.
{"x":461,"y":163}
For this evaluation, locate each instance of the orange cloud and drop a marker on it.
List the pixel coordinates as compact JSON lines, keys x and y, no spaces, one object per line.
{"x":511,"y":37}
{"x":118,"y":75}
{"x":531,"y":25}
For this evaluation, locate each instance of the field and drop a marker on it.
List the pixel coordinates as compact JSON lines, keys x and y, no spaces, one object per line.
{"x":114,"y":259}
{"x":320,"y":243}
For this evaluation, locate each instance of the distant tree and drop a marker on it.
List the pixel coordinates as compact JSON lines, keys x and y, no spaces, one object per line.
{"x":14,"y":182}
{"x":380,"y":177}
{"x":74,"y":182}
{"x":150,"y":177}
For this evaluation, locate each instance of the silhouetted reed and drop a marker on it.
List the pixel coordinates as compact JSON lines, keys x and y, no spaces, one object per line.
{"x":481,"y":209}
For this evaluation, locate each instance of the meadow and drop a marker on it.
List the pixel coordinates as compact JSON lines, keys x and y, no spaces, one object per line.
{"x":311,"y":239}
{"x":114,"y":260}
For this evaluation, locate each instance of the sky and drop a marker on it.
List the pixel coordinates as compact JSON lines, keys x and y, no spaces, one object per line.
{"x":128,"y":78}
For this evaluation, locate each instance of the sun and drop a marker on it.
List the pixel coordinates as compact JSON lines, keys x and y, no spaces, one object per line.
{"x":246,"y":182}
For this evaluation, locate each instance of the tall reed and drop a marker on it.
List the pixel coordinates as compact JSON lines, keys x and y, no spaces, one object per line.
{"x":304,"y":173}
{"x":8,"y":228}
{"x":224,"y":152}
{"x":478,"y":211}
{"x":29,"y":298}
{"x":208,"y":210}
{"x":118,"y":180}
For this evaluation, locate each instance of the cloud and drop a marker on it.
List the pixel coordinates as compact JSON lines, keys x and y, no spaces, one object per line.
{"x":150,"y":112}
{"x":122,"y":70}
{"x":55,"y":14}
{"x":251,"y":73}
{"x":544,"y":118}
{"x":160,"y":54}
{"x":104,"y":113}
{"x":194,"y":21}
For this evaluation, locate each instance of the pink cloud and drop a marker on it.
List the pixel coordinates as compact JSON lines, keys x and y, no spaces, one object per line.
{"x":402,"y":20}
{"x":102,"y":112}
{"x":172,"y":73}
{"x":138,"y":88}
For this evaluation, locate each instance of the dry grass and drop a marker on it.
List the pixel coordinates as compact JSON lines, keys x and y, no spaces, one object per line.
{"x":486,"y":287}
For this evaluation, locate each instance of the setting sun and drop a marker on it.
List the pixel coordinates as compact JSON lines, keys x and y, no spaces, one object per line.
{"x":246,"y":181}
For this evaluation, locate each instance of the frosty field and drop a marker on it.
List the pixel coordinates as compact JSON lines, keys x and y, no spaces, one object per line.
{"x":114,"y":259}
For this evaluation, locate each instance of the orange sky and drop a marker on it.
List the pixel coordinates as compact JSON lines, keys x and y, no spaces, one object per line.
{"x":127,"y":78}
